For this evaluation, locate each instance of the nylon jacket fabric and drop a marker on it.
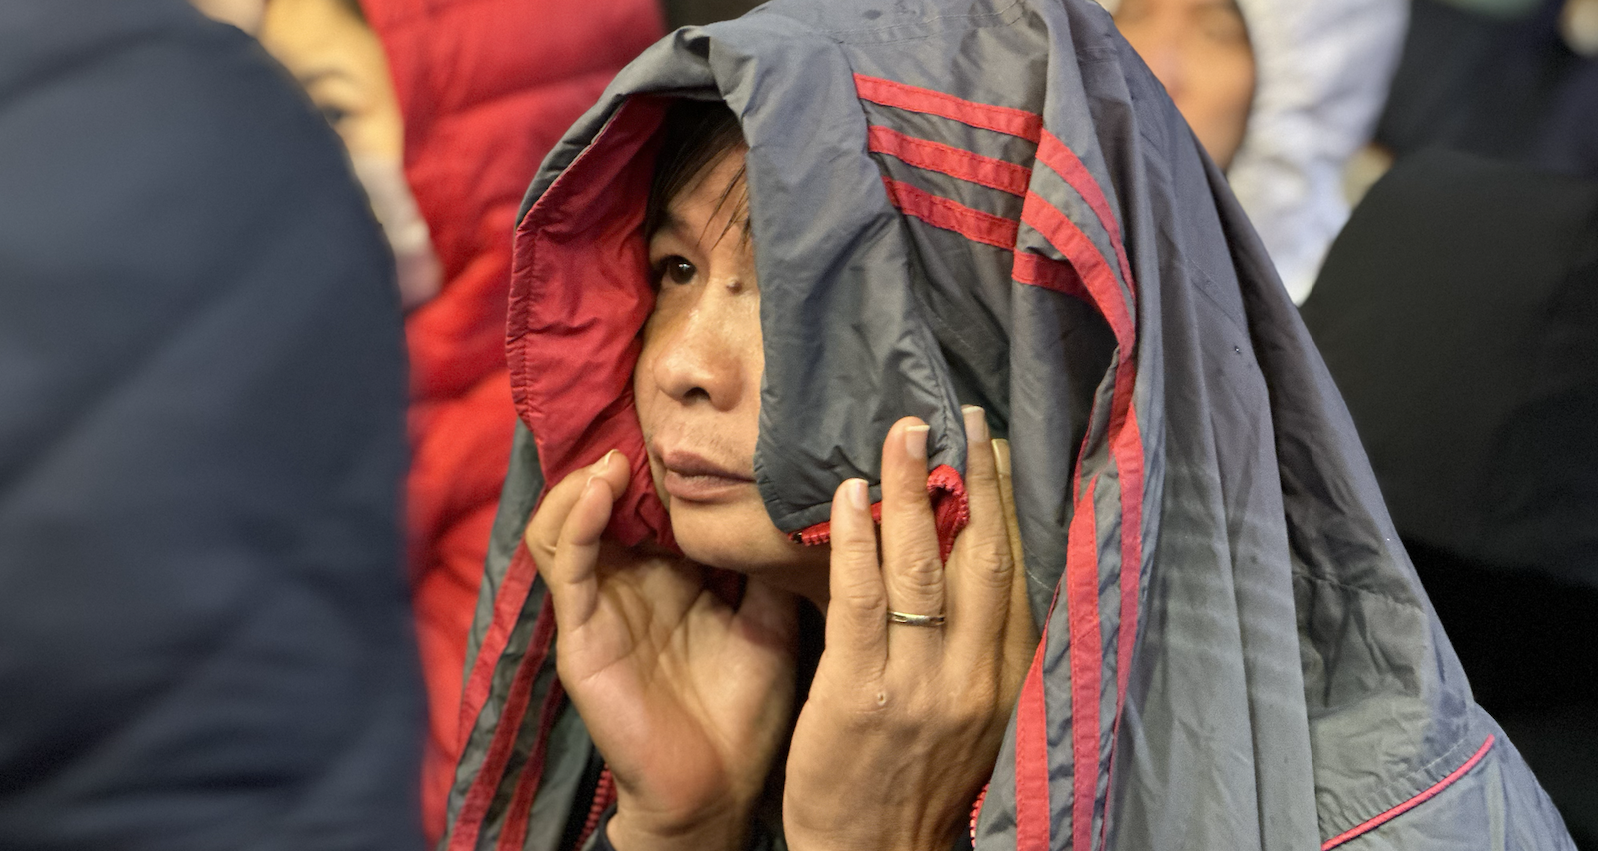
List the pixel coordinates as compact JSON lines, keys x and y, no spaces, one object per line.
{"x":204,"y":634}
{"x":994,"y":202}
{"x":486,"y":88}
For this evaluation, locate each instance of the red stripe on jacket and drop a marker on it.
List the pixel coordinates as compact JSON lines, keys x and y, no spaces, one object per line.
{"x":1001,"y":119}
{"x":1032,"y":759}
{"x":943,"y":213}
{"x":1087,"y":274}
{"x":947,"y":159}
{"x":514,"y":832}
{"x":1086,"y":659}
{"x":1422,"y":797}
{"x":507,"y":608}
{"x":469,"y":821}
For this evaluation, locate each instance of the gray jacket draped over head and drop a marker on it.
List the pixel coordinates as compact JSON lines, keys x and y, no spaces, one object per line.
{"x":994,"y":202}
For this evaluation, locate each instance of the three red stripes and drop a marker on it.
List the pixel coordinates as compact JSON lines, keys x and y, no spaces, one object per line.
{"x":1088,"y":275}
{"x":469,"y":821}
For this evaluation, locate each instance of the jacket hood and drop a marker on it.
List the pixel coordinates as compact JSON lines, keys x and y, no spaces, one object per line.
{"x":994,"y":202}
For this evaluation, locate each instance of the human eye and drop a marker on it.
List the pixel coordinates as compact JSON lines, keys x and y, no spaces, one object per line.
{"x":335,"y":115}
{"x":674,"y":269}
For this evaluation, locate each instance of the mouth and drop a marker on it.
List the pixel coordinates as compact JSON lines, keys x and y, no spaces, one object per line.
{"x":694,"y":478}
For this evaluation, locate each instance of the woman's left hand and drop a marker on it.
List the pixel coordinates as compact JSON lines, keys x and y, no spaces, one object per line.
{"x":904,"y":722}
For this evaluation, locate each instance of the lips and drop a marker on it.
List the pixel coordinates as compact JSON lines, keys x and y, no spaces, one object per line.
{"x":694,"y":478}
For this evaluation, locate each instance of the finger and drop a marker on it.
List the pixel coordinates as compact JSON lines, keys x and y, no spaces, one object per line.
{"x":572,"y":575}
{"x":543,"y":530}
{"x":980,"y":570}
{"x":858,"y":605}
{"x":577,"y":510}
{"x":1012,"y":526}
{"x":1021,"y":629}
{"x":912,"y":566}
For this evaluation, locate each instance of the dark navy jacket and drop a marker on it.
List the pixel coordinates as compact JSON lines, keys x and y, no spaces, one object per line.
{"x":203,"y":633}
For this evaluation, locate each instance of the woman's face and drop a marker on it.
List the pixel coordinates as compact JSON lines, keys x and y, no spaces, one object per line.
{"x":698,"y":386}
{"x":1199,"y":49}
{"x":337,"y":57}
{"x":340,"y":62}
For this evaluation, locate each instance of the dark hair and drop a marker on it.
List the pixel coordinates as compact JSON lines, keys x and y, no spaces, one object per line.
{"x":695,"y":134}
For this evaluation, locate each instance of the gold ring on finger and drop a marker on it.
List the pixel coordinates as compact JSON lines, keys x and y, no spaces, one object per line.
{"x":914,"y":620}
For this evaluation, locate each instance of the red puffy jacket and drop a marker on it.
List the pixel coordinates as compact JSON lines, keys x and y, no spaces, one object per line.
{"x":486,"y":88}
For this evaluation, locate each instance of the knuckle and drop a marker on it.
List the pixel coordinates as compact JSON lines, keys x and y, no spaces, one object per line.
{"x":864,"y":595}
{"x":988,"y":558}
{"x":919,"y":571}
{"x":542,"y":550}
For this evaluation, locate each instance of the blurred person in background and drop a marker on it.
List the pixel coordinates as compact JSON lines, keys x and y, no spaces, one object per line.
{"x":1458,"y":312}
{"x":446,"y":109}
{"x":336,"y":56}
{"x":1282,"y":94}
{"x":1513,"y":80}
{"x":204,"y":636}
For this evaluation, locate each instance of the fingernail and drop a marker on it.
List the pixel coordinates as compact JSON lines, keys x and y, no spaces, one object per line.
{"x":1001,"y":454}
{"x":855,"y":491}
{"x":976,"y":423}
{"x":604,"y":463}
{"x":915,"y":441}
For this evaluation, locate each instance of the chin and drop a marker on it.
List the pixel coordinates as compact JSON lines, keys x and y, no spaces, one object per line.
{"x":740,"y":537}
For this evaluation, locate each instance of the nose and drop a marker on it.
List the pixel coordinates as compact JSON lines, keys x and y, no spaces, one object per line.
{"x":700,"y":355}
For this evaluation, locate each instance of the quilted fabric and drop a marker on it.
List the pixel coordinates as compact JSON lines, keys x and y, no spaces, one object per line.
{"x":486,"y":88}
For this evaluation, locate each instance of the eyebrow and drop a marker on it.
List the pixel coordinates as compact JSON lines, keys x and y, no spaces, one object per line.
{"x":671,"y":221}
{"x":675,"y":222}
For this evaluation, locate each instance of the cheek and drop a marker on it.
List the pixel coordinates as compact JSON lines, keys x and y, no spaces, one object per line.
{"x":644,"y":386}
{"x":645,"y":403}
{"x":754,"y":370}
{"x":742,"y":335}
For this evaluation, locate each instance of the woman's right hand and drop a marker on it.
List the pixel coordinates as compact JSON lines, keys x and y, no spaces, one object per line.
{"x":686,"y":697}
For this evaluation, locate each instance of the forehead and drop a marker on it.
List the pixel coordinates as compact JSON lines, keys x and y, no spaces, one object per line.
{"x":711,"y":203}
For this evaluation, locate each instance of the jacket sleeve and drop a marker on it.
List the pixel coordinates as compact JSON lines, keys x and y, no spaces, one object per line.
{"x":204,"y":639}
